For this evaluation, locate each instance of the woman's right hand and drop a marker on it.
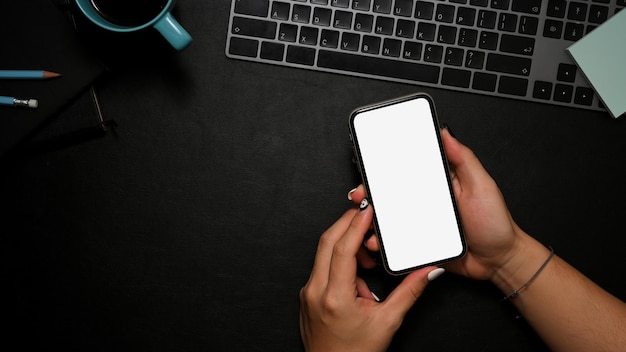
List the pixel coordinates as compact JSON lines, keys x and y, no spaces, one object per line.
{"x":492,"y":236}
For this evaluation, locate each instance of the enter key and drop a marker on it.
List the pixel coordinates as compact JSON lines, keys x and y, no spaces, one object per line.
{"x":517,"y":45}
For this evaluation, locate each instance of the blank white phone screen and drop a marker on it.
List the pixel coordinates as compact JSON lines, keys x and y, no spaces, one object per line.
{"x":408,"y":186}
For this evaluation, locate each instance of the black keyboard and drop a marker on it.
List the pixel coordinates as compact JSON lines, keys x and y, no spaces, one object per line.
{"x":505,"y":48}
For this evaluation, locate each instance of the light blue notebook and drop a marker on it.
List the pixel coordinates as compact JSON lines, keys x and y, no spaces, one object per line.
{"x":601,"y":56}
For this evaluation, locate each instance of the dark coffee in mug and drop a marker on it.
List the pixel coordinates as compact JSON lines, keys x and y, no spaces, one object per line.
{"x":129,"y":13}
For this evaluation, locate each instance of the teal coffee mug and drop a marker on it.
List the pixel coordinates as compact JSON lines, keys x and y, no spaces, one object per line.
{"x":133,"y":15}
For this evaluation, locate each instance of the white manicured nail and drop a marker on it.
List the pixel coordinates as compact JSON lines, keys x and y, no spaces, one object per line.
{"x":350,"y":193}
{"x":375,"y":297}
{"x":435,"y":273}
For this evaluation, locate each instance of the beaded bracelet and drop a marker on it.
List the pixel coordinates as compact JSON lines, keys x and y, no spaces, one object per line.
{"x":517,"y":292}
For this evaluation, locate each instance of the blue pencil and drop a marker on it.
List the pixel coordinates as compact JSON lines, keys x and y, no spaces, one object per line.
{"x":27,"y":74}
{"x":27,"y":103}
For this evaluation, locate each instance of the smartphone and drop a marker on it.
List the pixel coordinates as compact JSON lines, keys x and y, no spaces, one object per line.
{"x":404,"y":168}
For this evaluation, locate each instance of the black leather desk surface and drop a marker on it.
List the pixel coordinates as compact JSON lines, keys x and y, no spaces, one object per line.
{"x":194,"y":224}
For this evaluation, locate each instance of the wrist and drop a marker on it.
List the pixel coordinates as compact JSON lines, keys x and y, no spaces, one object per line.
{"x":527,"y":256}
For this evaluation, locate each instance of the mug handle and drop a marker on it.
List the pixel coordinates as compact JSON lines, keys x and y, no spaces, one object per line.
{"x":173,"y":32}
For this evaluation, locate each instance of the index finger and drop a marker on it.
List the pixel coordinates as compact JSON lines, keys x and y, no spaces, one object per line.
{"x":343,"y":265}
{"x":326,"y":244}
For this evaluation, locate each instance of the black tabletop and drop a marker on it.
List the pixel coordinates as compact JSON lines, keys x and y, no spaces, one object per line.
{"x":194,"y":223}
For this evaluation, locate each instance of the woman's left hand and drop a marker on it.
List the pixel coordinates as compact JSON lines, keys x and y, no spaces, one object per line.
{"x":338,"y":312}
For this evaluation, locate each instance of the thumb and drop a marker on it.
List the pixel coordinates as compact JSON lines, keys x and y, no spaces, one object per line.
{"x":410,"y":289}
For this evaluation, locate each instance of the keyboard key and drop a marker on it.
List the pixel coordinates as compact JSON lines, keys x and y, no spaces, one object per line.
{"x":484,"y":81}
{"x":583,"y":96}
{"x":500,"y":4}
{"x":444,"y":13}
{"x":475,"y":59}
{"x":382,"y":6}
{"x":542,"y":90}
{"x":377,"y":66}
{"x":508,"y":64}
{"x":507,"y":22}
{"x":340,"y":3}
{"x":363,"y":23}
{"x":598,"y":14}
{"x":526,"y":6}
{"x":412,"y":51}
{"x":513,"y":86}
{"x":488,"y":40}
{"x":553,"y":29}
{"x":454,"y":57}
{"x":424,"y":10}
{"x":455,"y":77}
{"x":301,"y":14}
{"x":447,"y":35}
{"x":321,"y":16}
{"x":252,"y":7}
{"x":287,"y":32}
{"x":362,"y":5}
{"x":465,"y":16}
{"x":254,"y":28}
{"x":391,"y":47}
{"x":384,"y":25}
{"x":573,"y":31}
{"x":433,"y":53}
{"x":280,"y":10}
{"x":566,"y":73}
{"x":468,"y":37}
{"x":426,"y":31}
{"x":272,"y":51}
{"x":591,"y":27}
{"x":343,"y":20}
{"x":350,"y":41}
{"x":329,"y":39}
{"x":556,"y":8}
{"x":403,"y":8}
{"x":563,"y":92}
{"x":300,"y":55}
{"x":486,"y":19}
{"x":319,"y":2}
{"x":528,"y":25}
{"x":371,"y":45}
{"x":482,"y":3}
{"x":308,"y":36}
{"x":517,"y":45}
{"x":577,"y":11}
{"x":405,"y":29}
{"x":243,"y":47}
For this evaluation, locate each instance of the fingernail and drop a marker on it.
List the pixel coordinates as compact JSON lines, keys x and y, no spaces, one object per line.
{"x":375,"y":297}
{"x":445,"y":126}
{"x":350,"y":193}
{"x":435,"y":273}
{"x":364,"y":204}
